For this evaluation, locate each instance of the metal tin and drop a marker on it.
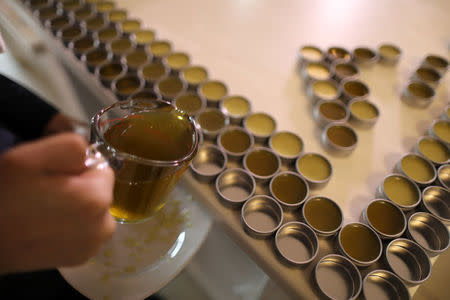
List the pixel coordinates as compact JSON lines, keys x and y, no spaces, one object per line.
{"x":58,"y":23}
{"x":315,"y":168}
{"x":95,"y":23}
{"x":363,"y":113}
{"x":209,"y":162}
{"x":287,"y":145}
{"x":120,"y":47}
{"x":296,"y":243}
{"x":312,"y":71}
{"x":47,"y":13}
{"x":126,"y":86}
{"x":261,"y":216}
{"x":110,"y":71}
{"x":129,"y":26}
{"x":323,"y":215}
{"x":213,"y":91}
{"x":428,"y":232}
{"x":326,"y":112}
{"x":83,"y":13}
{"x":70,"y":5}
{"x":408,"y":261}
{"x":289,"y":189}
{"x":38,"y":4}
{"x":260,"y":125}
{"x":146,"y":94}
{"x":428,"y":75}
{"x":436,"y":200}
{"x":352,"y":89}
{"x":235,"y":186}
{"x":440,"y":129}
{"x":344,"y":71}
{"x":235,"y":142}
{"x":170,"y":87}
{"x":83,"y":45}
{"x":70,"y":33}
{"x":262,"y":163}
{"x":337,"y":277}
{"x":117,"y":15}
{"x":236,"y":108}
{"x":418,"y":93}
{"x":446,"y":113}
{"x":385,"y":218}
{"x":190,"y":103}
{"x":382,"y":284}
{"x":436,"y":62}
{"x":104,"y":6}
{"x":433,"y":149}
{"x":309,"y":54}
{"x":143,"y":37}
{"x":136,"y":59}
{"x":401,"y":190}
{"x":417,"y":168}
{"x":327,"y":90}
{"x":211,"y":122}
{"x":95,"y":57}
{"x":338,"y":54}
{"x":176,"y":61}
{"x":364,"y":56}
{"x":389,"y":54}
{"x":360,"y":244}
{"x":194,"y":76}
{"x":160,"y":48}
{"x":443,"y":176}
{"x":153,"y":72}
{"x":339,"y":138}
{"x":107,"y":34}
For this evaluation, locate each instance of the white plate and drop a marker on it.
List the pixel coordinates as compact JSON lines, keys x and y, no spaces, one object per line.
{"x":141,"y":258}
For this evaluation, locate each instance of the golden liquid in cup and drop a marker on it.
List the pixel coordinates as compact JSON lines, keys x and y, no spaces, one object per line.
{"x":177,"y":60}
{"x":136,"y":58}
{"x":332,"y":111}
{"x":143,"y":37}
{"x":364,"y":110}
{"x":359,"y":242}
{"x":289,"y":188}
{"x":311,"y":53}
{"x":154,"y":71}
{"x":287,"y":144}
{"x":170,"y":87}
{"x":211,"y":120}
{"x":401,"y":191}
{"x":322,"y":214}
{"x":195,"y":75}
{"x":117,"y":15}
{"x":385,"y":217}
{"x":214,"y":90}
{"x":189,"y":103}
{"x":260,"y":124}
{"x":341,"y":136}
{"x":314,"y":167}
{"x":417,"y":168}
{"x":356,"y":89}
{"x":111,"y":71}
{"x":130,"y":26}
{"x":235,"y":141}
{"x":121,"y":46}
{"x":317,"y":71}
{"x":442,"y":130}
{"x":140,"y":190}
{"x":434,"y":150}
{"x":236,"y":106}
{"x":262,"y":162}
{"x":325,"y":89}
{"x":160,"y":48}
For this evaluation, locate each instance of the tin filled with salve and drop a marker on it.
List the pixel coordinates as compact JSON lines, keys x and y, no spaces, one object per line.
{"x":190,"y":103}
{"x":176,"y":61}
{"x":120,"y":47}
{"x":153,"y":72}
{"x":262,"y":163}
{"x":194,"y":75}
{"x":235,"y":186}
{"x":209,"y":162}
{"x":104,"y":6}
{"x":389,"y":54}
{"x":146,"y":94}
{"x":344,"y":71}
{"x":338,"y":54}
{"x":136,"y":59}
{"x":363,"y":113}
{"x":352,"y":89}
{"x":418,"y":93}
{"x":127,"y":85}
{"x":289,"y":189}
{"x":236,"y":107}
{"x":287,"y":145}
{"x":365,"y":56}
{"x":443,"y":176}
{"x":326,"y":112}
{"x":261,"y":216}
{"x":323,"y":215}
{"x":70,"y":33}
{"x":96,"y":57}
{"x":83,"y":13}
{"x":385,"y":218}
{"x":436,"y":62}
{"x":170,"y":87}
{"x":401,"y":190}
{"x":117,"y":15}
{"x":428,"y":232}
{"x":339,"y":138}
{"x":95,"y":23}
{"x":440,"y":129}
{"x":428,"y":75}
{"x":143,"y":37}
{"x":39,"y":4}
{"x":47,"y":13}
{"x":159,"y":49}
{"x":212,"y":121}
{"x":58,"y":23}
{"x":327,"y":90}
{"x":235,"y":141}
{"x":129,"y":26}
{"x":70,"y":5}
{"x":83,"y":45}
{"x":382,"y":284}
{"x":296,"y":243}
{"x":436,"y":200}
{"x":316,"y":71}
{"x":315,"y":168}
{"x":417,"y":168}
{"x":213,"y":91}
{"x":433,"y":149}
{"x":110,"y":71}
{"x":260,"y":125}
{"x":337,"y":278}
{"x":308,"y":54}
{"x":107,"y":34}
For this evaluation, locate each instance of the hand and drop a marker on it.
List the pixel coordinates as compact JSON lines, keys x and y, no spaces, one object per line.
{"x":53,"y":210}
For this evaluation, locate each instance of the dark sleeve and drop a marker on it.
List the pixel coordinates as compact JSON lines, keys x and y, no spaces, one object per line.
{"x":21,"y":111}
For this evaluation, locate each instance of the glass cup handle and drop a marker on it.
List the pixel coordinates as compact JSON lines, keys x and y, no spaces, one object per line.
{"x":94,"y":158}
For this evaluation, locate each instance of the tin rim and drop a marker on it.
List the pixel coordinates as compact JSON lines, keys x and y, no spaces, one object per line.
{"x":214,"y":102}
{"x":332,"y":57}
{"x":354,"y":76}
{"x":125,"y":59}
{"x":232,"y":116}
{"x":440,"y":179}
{"x":232,"y":128}
{"x":433,"y":226}
{"x":412,"y":183}
{"x":260,"y":136}
{"x":302,"y":58}
{"x":308,"y":77}
{"x":194,"y":84}
{"x":152,"y":81}
{"x":176,"y":69}
{"x":361,"y":59}
{"x":315,"y":97}
{"x":351,"y":96}
{"x":261,"y":177}
{"x":371,"y":121}
{"x":295,"y":136}
{"x":268,"y":201}
{"x":170,"y":97}
{"x":126,"y":95}
{"x":285,"y":204}
{"x":433,"y":133}
{"x":436,"y":140}
{"x":323,"y":120}
{"x":382,"y":234}
{"x":400,"y":169}
{"x":210,"y":148}
{"x":98,"y":69}
{"x":241,"y":173}
{"x":317,"y":182}
{"x":428,"y":206}
{"x":159,"y":55}
{"x":318,"y":231}
{"x":392,"y":59}
{"x":189,"y":93}
{"x":109,"y":46}
{"x":334,"y":146}
{"x":142,"y":30}
{"x":393,"y":280}
{"x":212,"y":133}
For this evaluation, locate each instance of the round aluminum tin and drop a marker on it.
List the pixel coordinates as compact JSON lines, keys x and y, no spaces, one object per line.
{"x":260,"y":125}
{"x":418,"y":94}
{"x":323,"y":215}
{"x":428,"y":75}
{"x":135,"y":59}
{"x":289,"y":189}
{"x":235,"y":186}
{"x":440,"y":129}
{"x":209,"y":162}
{"x":433,"y":149}
{"x":408,"y":261}
{"x":95,"y":57}
{"x":344,"y":71}
{"x":70,"y":5}
{"x":401,"y":190}
{"x":364,"y":56}
{"x":309,"y":54}
{"x":70,"y":33}
{"x":236,"y":108}
{"x":159,"y":49}
{"x":170,"y":87}
{"x":176,"y":61}
{"x":296,"y":243}
{"x":213,"y":91}
{"x":352,"y":89}
{"x":385,"y":218}
{"x":327,"y":90}
{"x":428,"y":232}
{"x":143,"y":37}
{"x":211,"y":121}
{"x":190,"y":103}
{"x":436,"y":200}
{"x":47,"y":13}
{"x":360,"y":244}
{"x":262,"y":163}
{"x":104,"y":6}
{"x":235,"y":141}
{"x":117,"y":15}
{"x":443,"y":176}
{"x":261,"y":216}
{"x":436,"y":62}
{"x":129,"y":26}
{"x":363,"y":113}
{"x":106,"y":35}
{"x":120,"y":47}
{"x":83,"y":45}
{"x":326,"y":112}
{"x":194,"y":76}
{"x":83,"y":13}
{"x":313,"y":71}
{"x":382,"y":284}
{"x":315,"y":168}
{"x":38,"y":4}
{"x":339,"y":138}
{"x":337,"y":277}
{"x":58,"y":23}
{"x":389,"y":54}
{"x":126,"y":86}
{"x":418,"y":169}
{"x":338,"y":54}
{"x":287,"y":145}
{"x":110,"y":71}
{"x":153,"y":72}
{"x":95,"y":23}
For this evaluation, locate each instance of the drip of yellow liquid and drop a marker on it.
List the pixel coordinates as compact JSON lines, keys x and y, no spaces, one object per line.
{"x":160,"y":48}
{"x":235,"y":141}
{"x":434,"y":150}
{"x":341,"y":136}
{"x":314,"y":167}
{"x":211,"y":120}
{"x":401,"y":191}
{"x":317,"y":71}
{"x":289,"y":188}
{"x":189,"y":103}
{"x":311,"y":53}
{"x":170,"y":86}
{"x":214,"y":90}
{"x":385,"y":217}
{"x":287,"y":144}
{"x":195,"y":75}
{"x":442,"y":130}
{"x":260,"y":124}
{"x":236,"y":106}
{"x":154,"y":71}
{"x":144,"y":36}
{"x":325,"y":89}
{"x":322,"y":214}
{"x":117,"y":15}
{"x":417,"y":168}
{"x":177,"y":60}
{"x":332,"y":111}
{"x":359,"y":242}
{"x":262,"y":162}
{"x":364,"y":110}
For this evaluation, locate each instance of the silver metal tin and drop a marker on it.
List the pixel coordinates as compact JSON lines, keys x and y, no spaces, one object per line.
{"x":344,"y":71}
{"x":176,"y":61}
{"x":159,"y":49}
{"x":110,"y":71}
{"x":287,"y":145}
{"x":261,"y":216}
{"x":363,"y":113}
{"x":326,"y":112}
{"x":213,"y":91}
{"x":237,"y":108}
{"x":83,"y":45}
{"x":446,"y":113}
{"x":408,"y":261}
{"x":170,"y":87}
{"x":260,"y":125}
{"x":389,"y":54}
{"x":338,"y":54}
{"x":70,"y":5}
{"x":262,"y":163}
{"x":95,"y":57}
{"x":364,"y":246}
{"x":396,"y":182}
{"x":327,"y":90}
{"x":136,"y":59}
{"x":107,"y":34}
{"x":194,"y":76}
{"x":289,"y":189}
{"x":313,"y":71}
{"x":352,"y":89}
{"x":126,"y":86}
{"x":211,"y":121}
{"x":296,"y":243}
{"x":70,"y":33}
{"x":323,"y":215}
{"x":190,"y":103}
{"x":309,"y":54}
{"x":410,"y":164}
{"x":95,"y":23}
{"x":436,"y":62}
{"x":47,"y":13}
{"x":146,"y":94}
{"x":440,"y":129}
{"x":337,"y":277}
{"x":315,"y":168}
{"x":418,"y":94}
{"x":235,"y":141}
{"x":117,"y":15}
{"x":129,"y":26}
{"x":209,"y":162}
{"x":443,"y":176}
{"x":339,"y":138}
{"x":153,"y":72}
{"x":385,"y":218}
{"x":428,"y":75}
{"x":433,"y":149}
{"x":58,"y":23}
{"x":83,"y":13}
{"x":120,"y":47}
{"x":436,"y":200}
{"x":428,"y":232}
{"x":364,"y":56}
{"x":143,"y":37}
{"x":382,"y":284}
{"x":235,"y":186}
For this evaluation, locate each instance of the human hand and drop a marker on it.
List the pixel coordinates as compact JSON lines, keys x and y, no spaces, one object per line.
{"x":53,"y":210}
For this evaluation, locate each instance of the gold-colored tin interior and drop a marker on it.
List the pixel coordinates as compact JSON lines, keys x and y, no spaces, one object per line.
{"x":289,"y":188}
{"x":38,"y":3}
{"x":332,"y":111}
{"x":339,"y":53}
{"x":235,"y":141}
{"x":83,"y":13}
{"x":356,"y":88}
{"x":96,"y":56}
{"x":364,"y":110}
{"x":342,"y":136}
{"x":128,"y":85}
{"x":359,"y":242}
{"x":428,"y":74}
{"x":170,"y":86}
{"x":160,"y":48}
{"x":236,"y":106}
{"x":107,"y":34}
{"x":121,"y":46}
{"x":437,"y":61}
{"x":364,"y":53}
{"x":195,"y":75}
{"x":130,"y":26}
{"x":420,"y":90}
{"x":434,"y":150}
{"x":83,"y":43}
{"x":417,"y":168}
{"x":136,"y":58}
{"x":59,"y":22}
{"x":389,"y":51}
{"x":144,"y":36}
{"x":262,"y":162}
{"x":311,"y":53}
{"x":444,"y":175}
{"x":325,"y":89}
{"x":95,"y":23}
{"x":314,"y":167}
{"x":110,"y":71}
{"x":117,"y":15}
{"x":71,"y":5}
{"x":344,"y":70}
{"x":318,"y":71}
{"x":154,"y":71}
{"x":401,"y":191}
{"x":211,"y":120}
{"x":177,"y":60}
{"x":442,"y":130}
{"x":385,"y":217}
{"x":71,"y":32}
{"x":214,"y":90}
{"x":260,"y":124}
{"x":287,"y":144}
{"x":105,"y":6}
{"x":189,"y":103}
{"x":48,"y":13}
{"x":322,"y":214}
